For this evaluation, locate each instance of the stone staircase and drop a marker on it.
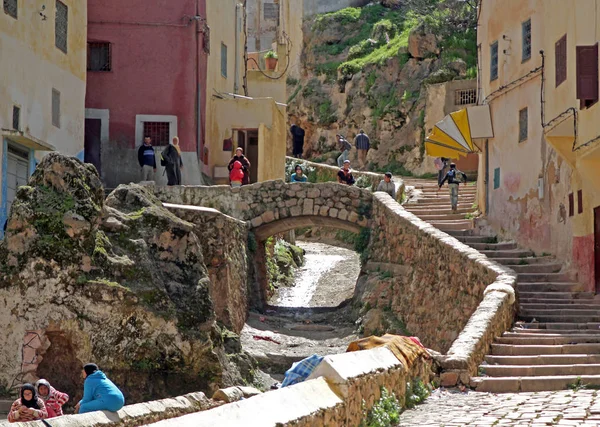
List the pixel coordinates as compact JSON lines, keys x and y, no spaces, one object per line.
{"x":555,"y":342}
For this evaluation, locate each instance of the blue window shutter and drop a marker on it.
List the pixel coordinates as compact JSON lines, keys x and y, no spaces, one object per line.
{"x":496,"y":178}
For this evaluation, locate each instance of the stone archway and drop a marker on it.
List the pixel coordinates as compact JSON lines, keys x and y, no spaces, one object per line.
{"x":264,"y":231}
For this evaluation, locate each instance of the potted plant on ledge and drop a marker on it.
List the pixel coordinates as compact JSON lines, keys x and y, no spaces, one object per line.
{"x":271,"y":60}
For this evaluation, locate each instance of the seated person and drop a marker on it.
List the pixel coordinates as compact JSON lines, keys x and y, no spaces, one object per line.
{"x":344,"y":175}
{"x":299,"y":175}
{"x":28,"y":408}
{"x":53,"y":399}
{"x":387,"y":186}
{"x":99,"y":393}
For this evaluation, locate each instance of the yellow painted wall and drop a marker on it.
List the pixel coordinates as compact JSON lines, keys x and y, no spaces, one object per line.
{"x":31,"y":66}
{"x":293,"y":13}
{"x":261,"y":86}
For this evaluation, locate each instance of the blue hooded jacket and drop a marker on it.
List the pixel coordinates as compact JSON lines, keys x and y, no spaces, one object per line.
{"x":99,"y":389}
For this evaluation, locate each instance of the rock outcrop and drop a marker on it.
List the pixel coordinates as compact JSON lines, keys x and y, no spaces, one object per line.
{"x":121,"y":283}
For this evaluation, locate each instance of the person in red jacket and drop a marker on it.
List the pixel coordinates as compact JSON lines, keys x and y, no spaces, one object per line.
{"x":53,"y":399}
{"x":29,"y":407}
{"x":236,"y":176}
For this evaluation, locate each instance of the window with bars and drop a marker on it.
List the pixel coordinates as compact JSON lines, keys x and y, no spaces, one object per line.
{"x":465,"y":96}
{"x":99,"y":56}
{"x":158,"y":131}
{"x":223,"y":59}
{"x":526,"y":47}
{"x":560,"y":60}
{"x":11,"y":8}
{"x":16,"y":118}
{"x":55,"y":108}
{"x":271,"y":11}
{"x":523,"y":119}
{"x":579,"y":201}
{"x":587,"y":75}
{"x":61,"y":26}
{"x":494,"y":61}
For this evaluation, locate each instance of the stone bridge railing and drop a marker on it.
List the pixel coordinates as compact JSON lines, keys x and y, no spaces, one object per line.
{"x":273,"y":207}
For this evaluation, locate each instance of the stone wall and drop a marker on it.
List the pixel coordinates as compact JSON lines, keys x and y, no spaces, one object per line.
{"x":449,"y":295}
{"x":226,"y":257}
{"x":132,"y":415}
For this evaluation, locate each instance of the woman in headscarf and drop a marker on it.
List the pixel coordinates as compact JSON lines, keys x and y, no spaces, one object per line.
{"x":171,"y":157}
{"x":53,"y":399}
{"x":99,"y":393}
{"x":29,"y":407}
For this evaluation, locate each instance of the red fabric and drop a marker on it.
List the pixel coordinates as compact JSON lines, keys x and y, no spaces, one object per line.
{"x":14,"y":415}
{"x":236,"y":174}
{"x":55,"y":401}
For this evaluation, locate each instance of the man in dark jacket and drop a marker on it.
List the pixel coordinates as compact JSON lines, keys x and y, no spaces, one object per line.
{"x":239,"y":156}
{"x":147,"y":160}
{"x":453,"y":179}
{"x":363,"y":143}
{"x":297,"y":141}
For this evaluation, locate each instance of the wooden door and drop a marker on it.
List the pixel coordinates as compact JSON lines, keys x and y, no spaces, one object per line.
{"x":597,"y":247}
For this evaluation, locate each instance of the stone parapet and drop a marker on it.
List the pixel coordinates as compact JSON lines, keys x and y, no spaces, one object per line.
{"x":452,"y":297}
{"x":131,"y":415}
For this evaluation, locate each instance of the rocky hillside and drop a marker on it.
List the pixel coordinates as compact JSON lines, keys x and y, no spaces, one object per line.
{"x":121,"y":282}
{"x":369,"y":67}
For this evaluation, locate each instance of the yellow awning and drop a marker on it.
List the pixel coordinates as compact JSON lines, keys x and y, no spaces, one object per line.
{"x":453,"y":136}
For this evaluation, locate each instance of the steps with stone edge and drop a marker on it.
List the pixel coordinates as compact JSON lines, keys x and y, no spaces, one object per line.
{"x":556,"y":341}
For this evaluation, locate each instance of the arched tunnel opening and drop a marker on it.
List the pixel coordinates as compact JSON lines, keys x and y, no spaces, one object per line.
{"x":308,"y":275}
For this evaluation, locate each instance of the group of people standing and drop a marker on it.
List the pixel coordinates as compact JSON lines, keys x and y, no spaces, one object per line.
{"x":170,"y":159}
{"x":43,"y":401}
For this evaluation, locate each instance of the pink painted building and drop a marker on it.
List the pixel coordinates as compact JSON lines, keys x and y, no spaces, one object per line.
{"x":147,"y":65}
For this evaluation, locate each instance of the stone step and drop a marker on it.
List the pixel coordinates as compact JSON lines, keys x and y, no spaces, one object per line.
{"x":555,"y":318}
{"x":524,"y":260}
{"x":513,"y":253}
{"x":456,"y":225}
{"x":539,"y":370}
{"x":461,"y":233}
{"x":558,"y":326}
{"x":493,"y":246}
{"x":537,"y":268}
{"x":545,"y":287}
{"x":519,"y":332}
{"x":445,"y":210}
{"x":542,"y":339}
{"x":524,"y":350}
{"x":441,"y":217}
{"x":541,"y":277}
{"x":569,"y":296}
{"x":531,"y":384}
{"x":545,"y":359}
{"x":476,"y":239}
{"x":526,"y":305}
{"x":566,"y":311}
{"x":464,"y":201}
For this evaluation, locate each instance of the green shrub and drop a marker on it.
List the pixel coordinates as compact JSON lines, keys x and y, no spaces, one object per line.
{"x":271,"y":54}
{"x":385,"y":413}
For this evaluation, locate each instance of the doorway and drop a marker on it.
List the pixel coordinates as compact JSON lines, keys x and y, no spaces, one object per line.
{"x":597,"y":247}
{"x":248,"y":140}
{"x":17,"y":173}
{"x":92,"y":143}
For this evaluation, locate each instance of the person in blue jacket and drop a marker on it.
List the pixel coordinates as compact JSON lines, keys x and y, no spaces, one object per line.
{"x":99,"y":393}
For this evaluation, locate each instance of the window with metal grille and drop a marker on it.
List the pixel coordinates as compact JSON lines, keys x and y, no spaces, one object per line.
{"x":158,"y":131}
{"x":465,"y":96}
{"x":571,"y":205}
{"x":494,"y":61}
{"x":523,"y":119}
{"x":61,"y":25}
{"x":526,"y":31}
{"x":271,"y":11}
{"x":579,"y":201}
{"x":560,"y":60}
{"x":11,"y":8}
{"x":55,"y":108}
{"x":16,"y":122}
{"x":223,"y":60}
{"x":98,"y":56}
{"x":496,"y":178}
{"x":587,"y":75}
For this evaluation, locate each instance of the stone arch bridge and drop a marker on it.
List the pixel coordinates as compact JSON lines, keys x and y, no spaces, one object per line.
{"x":274,"y":207}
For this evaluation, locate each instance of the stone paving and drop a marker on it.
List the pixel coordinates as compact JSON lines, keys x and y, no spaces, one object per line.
{"x":555,"y":408}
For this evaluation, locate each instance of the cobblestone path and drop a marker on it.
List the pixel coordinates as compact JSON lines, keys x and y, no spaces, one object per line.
{"x":556,"y":408}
